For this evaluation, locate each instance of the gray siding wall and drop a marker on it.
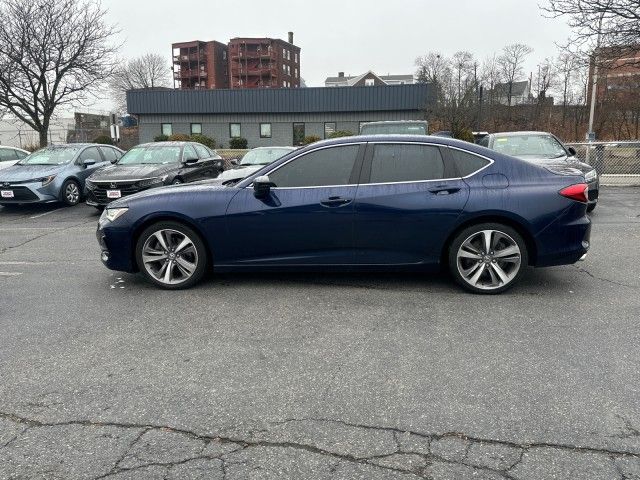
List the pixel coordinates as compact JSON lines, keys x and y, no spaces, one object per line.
{"x":217,"y":126}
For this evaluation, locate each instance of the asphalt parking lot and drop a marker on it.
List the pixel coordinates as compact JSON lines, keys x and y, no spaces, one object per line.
{"x":315,"y":376}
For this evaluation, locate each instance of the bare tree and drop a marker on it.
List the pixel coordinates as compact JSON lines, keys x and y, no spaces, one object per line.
{"x":613,"y":25}
{"x":511,"y":62}
{"x":147,"y":71}
{"x":51,"y":54}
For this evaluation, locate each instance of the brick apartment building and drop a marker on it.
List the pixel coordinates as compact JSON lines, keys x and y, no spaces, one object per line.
{"x":242,"y":63}
{"x":618,"y":73}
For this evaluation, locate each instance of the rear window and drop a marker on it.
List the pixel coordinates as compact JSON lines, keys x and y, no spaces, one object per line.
{"x":406,"y":163}
{"x":467,"y":163}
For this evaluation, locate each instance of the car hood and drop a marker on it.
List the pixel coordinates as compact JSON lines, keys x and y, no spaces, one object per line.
{"x":163,"y":192}
{"x":132,"y":172}
{"x":20,"y":173}
{"x":560,"y":162}
{"x":238,"y":172}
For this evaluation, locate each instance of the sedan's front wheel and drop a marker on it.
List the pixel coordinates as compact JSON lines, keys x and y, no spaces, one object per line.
{"x":487,"y":258}
{"x":171,"y":255}
{"x":70,"y":193}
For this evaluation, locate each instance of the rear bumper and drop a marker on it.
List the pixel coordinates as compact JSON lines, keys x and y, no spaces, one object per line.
{"x":566,"y":240}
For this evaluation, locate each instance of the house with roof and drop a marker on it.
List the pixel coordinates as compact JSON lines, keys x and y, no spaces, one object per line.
{"x":520,"y":93}
{"x":368,"y":79}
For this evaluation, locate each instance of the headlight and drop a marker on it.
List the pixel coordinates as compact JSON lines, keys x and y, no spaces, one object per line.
{"x":152,"y":181}
{"x":111,"y":214}
{"x":591,"y":176}
{"x":47,"y":180}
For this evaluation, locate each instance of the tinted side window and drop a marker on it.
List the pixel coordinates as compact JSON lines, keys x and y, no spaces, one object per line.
{"x":109,"y":154}
{"x":329,"y":166}
{"x":467,"y":163}
{"x":406,"y":163}
{"x":202,"y":151}
{"x":7,"y":154}
{"x":90,"y":153}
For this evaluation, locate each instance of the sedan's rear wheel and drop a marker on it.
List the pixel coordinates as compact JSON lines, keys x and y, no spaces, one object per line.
{"x":171,"y":255}
{"x":487,"y":258}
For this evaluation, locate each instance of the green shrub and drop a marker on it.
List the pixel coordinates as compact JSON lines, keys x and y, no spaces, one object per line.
{"x":103,"y":139}
{"x":161,"y":138}
{"x":238,"y":143}
{"x":340,"y":133}
{"x":179,"y":137}
{"x":204,"y":140}
{"x":310,"y":139}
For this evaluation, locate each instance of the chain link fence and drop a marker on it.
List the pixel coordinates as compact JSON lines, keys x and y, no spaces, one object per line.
{"x":617,"y":163}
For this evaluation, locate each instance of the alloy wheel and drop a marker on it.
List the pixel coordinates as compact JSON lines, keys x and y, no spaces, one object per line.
{"x":170,"y":256}
{"x":489,"y":259}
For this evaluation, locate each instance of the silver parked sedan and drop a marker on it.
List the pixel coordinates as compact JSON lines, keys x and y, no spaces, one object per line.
{"x":54,"y":173}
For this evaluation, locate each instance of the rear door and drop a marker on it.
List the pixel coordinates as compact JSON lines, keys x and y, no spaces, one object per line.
{"x":307,"y":219}
{"x":408,"y":199}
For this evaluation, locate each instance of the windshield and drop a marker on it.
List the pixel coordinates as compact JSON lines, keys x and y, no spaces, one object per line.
{"x":155,"y":155}
{"x":544,"y":146}
{"x":263,"y":156}
{"x":50,"y":156}
{"x":394,"y":129}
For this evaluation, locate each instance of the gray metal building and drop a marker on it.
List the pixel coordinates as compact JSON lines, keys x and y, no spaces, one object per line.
{"x":272,"y":116}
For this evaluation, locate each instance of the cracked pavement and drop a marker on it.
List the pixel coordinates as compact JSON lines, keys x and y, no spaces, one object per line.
{"x":315,"y":376}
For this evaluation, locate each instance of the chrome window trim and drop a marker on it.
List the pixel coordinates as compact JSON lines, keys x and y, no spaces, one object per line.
{"x":387,"y":142}
{"x":122,"y":181}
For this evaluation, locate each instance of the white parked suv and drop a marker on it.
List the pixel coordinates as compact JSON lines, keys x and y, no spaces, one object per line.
{"x":10,"y":156}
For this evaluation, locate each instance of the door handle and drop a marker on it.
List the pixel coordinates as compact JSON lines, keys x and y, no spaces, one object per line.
{"x":444,"y":190}
{"x":335,"y":201}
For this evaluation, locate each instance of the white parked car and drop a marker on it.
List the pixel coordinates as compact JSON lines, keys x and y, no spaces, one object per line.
{"x":10,"y":156}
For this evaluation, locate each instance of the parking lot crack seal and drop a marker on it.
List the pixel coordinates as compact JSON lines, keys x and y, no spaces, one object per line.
{"x":37,"y":237}
{"x":602,"y":279}
{"x":244,"y":443}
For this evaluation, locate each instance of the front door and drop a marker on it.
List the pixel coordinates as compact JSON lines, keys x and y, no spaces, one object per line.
{"x":407,"y":202}
{"x":307,"y":218}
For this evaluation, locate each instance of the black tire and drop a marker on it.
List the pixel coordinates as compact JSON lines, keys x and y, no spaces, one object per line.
{"x":507,"y":236}
{"x":177,"y":181}
{"x":70,"y":193}
{"x":591,"y":207}
{"x":200,"y":258}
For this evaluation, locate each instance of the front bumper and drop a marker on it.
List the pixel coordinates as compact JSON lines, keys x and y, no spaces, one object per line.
{"x":31,"y":192}
{"x":96,"y":194}
{"x":116,"y":249}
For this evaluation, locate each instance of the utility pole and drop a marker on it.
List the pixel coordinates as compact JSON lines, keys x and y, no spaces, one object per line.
{"x":594,"y":84}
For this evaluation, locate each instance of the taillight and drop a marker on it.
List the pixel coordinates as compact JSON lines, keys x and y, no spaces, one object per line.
{"x":578,"y":192}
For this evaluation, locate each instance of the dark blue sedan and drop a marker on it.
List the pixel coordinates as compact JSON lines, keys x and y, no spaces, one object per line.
{"x":356,"y":203}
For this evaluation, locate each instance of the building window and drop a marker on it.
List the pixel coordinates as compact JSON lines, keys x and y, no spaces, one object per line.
{"x":295,"y":71}
{"x":196,"y":129}
{"x":298,"y":133}
{"x":166,"y":129}
{"x":329,"y":128}
{"x":369,"y":82}
{"x":234,"y":130}
{"x":265,"y":130}
{"x":296,"y":57}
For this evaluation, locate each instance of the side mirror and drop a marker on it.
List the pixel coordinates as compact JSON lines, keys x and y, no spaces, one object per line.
{"x":88,"y":162}
{"x":262,"y":186}
{"x":234,"y":161}
{"x":572,"y":151}
{"x":114,"y":160}
{"x":190,"y":160}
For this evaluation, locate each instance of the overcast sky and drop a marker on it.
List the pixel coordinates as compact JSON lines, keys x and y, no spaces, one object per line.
{"x":351,"y":36}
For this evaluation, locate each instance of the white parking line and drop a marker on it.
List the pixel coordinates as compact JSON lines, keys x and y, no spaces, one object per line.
{"x":45,"y":213}
{"x":10,"y":274}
